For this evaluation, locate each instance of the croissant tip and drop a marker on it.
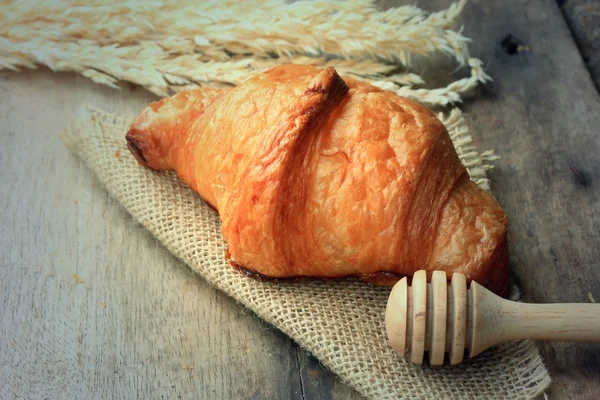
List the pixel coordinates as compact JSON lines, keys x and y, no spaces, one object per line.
{"x":134,"y":147}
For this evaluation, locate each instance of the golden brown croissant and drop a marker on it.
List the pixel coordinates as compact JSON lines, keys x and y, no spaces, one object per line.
{"x":316,"y":176}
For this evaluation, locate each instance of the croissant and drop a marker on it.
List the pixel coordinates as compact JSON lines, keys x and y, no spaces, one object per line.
{"x":318,"y":176}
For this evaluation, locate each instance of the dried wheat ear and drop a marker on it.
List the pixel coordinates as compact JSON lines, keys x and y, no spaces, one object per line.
{"x":167,"y":47}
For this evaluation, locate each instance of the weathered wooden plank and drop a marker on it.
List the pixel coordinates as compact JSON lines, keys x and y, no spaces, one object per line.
{"x":583,"y":18}
{"x":542,"y":116}
{"x":91,"y":305}
{"x":112,"y":331}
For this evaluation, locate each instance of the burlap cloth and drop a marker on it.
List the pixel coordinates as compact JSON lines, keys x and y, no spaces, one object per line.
{"x":339,"y":322}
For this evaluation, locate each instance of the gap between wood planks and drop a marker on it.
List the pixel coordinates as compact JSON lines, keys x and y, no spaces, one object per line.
{"x":298,"y":350}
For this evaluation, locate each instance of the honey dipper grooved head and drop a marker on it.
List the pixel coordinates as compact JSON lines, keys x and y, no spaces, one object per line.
{"x":429,"y":317}
{"x":438,"y":319}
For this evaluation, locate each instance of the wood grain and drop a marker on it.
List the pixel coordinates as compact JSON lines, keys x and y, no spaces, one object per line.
{"x":583,"y":18}
{"x":92,"y":306}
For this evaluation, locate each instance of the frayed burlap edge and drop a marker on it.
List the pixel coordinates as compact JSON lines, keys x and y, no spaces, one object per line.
{"x":339,"y":322}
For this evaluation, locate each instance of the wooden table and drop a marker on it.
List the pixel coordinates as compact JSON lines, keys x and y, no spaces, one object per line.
{"x":92,"y":306}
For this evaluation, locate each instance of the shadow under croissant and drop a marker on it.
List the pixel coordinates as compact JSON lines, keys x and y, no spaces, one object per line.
{"x":377,"y":278}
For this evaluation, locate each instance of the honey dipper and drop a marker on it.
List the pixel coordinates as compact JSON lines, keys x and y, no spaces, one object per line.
{"x":439,"y":318}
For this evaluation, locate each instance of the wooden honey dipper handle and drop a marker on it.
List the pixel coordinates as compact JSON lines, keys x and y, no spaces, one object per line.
{"x":437,"y":318}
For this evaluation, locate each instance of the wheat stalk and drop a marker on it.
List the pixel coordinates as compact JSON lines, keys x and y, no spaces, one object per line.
{"x":167,"y":46}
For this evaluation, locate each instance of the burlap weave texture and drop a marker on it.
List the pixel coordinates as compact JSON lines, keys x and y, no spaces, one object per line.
{"x":340,"y":322}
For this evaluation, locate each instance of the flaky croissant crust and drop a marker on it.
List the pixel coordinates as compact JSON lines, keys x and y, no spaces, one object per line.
{"x":318,"y":176}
